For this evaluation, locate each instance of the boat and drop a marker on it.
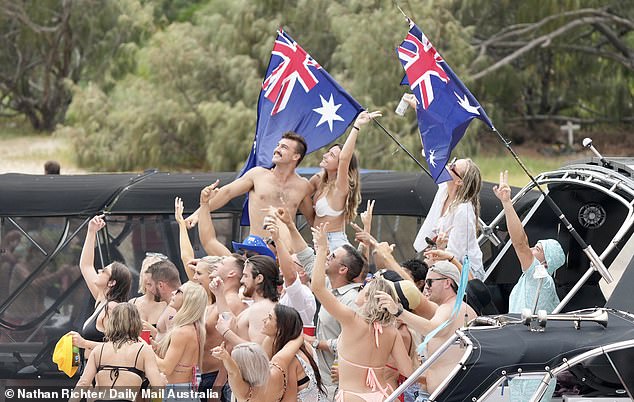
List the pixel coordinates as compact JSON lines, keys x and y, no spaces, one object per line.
{"x":585,"y":349}
{"x":49,"y":215}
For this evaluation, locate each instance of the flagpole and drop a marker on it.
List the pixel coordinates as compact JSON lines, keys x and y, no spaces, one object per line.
{"x":402,"y":147}
{"x":587,"y":249}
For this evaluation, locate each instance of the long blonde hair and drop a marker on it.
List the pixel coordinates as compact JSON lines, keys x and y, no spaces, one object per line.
{"x":470,"y":189}
{"x":354,"y":187}
{"x":371,"y":312}
{"x":191,"y":312}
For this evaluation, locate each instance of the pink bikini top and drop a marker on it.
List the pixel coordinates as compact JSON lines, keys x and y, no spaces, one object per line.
{"x":371,"y":379}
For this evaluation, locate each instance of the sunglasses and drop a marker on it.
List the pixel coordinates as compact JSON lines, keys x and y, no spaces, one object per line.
{"x":429,"y":282}
{"x":431,"y":245}
{"x":160,"y":256}
{"x":452,"y":168}
{"x":370,"y":277}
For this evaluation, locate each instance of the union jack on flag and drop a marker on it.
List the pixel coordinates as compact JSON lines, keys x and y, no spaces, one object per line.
{"x":297,"y":95}
{"x":445,"y":106}
{"x":279,"y":85}
{"x":421,"y":61}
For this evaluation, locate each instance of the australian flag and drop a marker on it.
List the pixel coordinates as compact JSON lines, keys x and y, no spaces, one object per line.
{"x":297,"y":95}
{"x":445,"y":106}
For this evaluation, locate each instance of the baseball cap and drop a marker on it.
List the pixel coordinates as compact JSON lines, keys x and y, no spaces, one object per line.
{"x":253,"y":243}
{"x":63,"y":355}
{"x":447,"y":269}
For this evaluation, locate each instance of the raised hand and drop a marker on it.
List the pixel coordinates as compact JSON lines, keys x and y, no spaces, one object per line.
{"x":209,"y":192}
{"x":178,"y":211}
{"x":442,"y":239}
{"x":384,"y":248}
{"x":503,"y":190}
{"x":220,"y":352}
{"x":411,"y":100}
{"x":365,"y":116}
{"x":96,"y":224}
{"x":363,"y":236}
{"x":438,"y":255}
{"x":216,"y":285}
{"x":386,"y":302}
{"x":226,"y":321}
{"x":283,"y":215}
{"x":366,"y":216}
{"x":274,"y":230}
{"x":320,"y":236}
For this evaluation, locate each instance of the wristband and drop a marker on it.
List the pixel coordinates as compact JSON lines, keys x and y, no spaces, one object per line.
{"x":399,"y":311}
{"x":224,"y":333}
{"x":315,"y":344}
{"x":355,"y":127}
{"x":451,"y":259}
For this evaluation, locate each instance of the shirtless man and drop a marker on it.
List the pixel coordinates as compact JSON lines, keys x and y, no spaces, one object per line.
{"x":260,"y":278}
{"x":224,"y":281}
{"x":279,"y":187}
{"x":441,"y":285}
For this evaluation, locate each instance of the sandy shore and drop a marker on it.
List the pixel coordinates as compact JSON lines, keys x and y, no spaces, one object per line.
{"x":28,"y":155}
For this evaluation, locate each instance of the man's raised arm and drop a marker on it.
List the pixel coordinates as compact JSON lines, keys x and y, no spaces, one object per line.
{"x":225,"y":194}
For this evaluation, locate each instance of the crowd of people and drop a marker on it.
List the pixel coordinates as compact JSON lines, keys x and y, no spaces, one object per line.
{"x":280,"y":320}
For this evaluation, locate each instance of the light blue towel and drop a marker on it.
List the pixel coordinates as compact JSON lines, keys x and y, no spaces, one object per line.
{"x":524,"y":292}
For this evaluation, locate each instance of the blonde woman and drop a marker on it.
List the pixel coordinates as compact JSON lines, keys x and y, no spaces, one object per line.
{"x":252,"y":376}
{"x":368,"y":338}
{"x":337,"y":186}
{"x":452,"y":221}
{"x":123,"y":361}
{"x":180,"y":351}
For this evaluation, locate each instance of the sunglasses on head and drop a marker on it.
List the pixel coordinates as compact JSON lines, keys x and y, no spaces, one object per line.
{"x":157,"y":255}
{"x":370,"y":277}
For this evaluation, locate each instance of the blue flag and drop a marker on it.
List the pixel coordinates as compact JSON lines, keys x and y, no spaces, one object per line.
{"x":297,"y":95}
{"x":445,"y":106}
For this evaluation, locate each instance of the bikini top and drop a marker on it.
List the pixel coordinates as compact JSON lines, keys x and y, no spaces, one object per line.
{"x":90,"y":331}
{"x":114,"y":370}
{"x":322,"y":208}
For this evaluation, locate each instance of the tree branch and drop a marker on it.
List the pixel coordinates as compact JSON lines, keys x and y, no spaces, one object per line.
{"x":613,"y":38}
{"x":543,"y":40}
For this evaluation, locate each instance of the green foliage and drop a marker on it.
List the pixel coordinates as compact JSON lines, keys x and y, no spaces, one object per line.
{"x":583,"y":74}
{"x":180,"y":88}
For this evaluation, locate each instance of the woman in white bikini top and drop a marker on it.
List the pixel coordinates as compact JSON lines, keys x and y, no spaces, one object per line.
{"x":337,"y":187}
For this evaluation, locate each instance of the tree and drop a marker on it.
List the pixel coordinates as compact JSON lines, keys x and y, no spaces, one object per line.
{"x":554,"y":61}
{"x":51,"y":42}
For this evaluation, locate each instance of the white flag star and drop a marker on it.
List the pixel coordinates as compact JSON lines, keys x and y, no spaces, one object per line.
{"x":432,"y":158}
{"x":328,"y":112}
{"x":464,"y":102}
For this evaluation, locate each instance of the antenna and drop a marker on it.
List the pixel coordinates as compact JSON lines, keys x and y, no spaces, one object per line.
{"x":587,"y":143}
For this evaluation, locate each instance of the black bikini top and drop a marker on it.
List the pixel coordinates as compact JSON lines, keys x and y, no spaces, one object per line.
{"x":114,"y":370}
